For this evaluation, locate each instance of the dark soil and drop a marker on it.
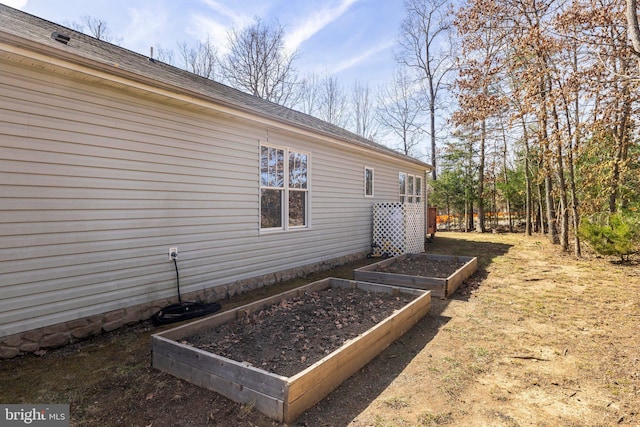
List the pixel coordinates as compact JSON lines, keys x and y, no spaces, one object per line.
{"x":287,"y":337}
{"x":414,"y":266}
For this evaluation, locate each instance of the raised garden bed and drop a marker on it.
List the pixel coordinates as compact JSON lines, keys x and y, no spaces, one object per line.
{"x":325,"y":360}
{"x":441,"y":274}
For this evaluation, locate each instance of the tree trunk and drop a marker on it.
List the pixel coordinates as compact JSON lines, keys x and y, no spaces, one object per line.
{"x":552,"y":230}
{"x":527,"y":179}
{"x":632,"y":25}
{"x":505,"y":149}
{"x":562,"y":187}
{"x":621,"y":136}
{"x":546,"y":163}
{"x":432,"y":118}
{"x":466,"y":214}
{"x":574,"y":202}
{"x":483,"y":135}
{"x":564,"y":214}
{"x":541,"y":222}
{"x":572,"y":178}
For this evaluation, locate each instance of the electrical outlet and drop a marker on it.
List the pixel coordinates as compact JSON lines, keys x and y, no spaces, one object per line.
{"x":173,"y":253}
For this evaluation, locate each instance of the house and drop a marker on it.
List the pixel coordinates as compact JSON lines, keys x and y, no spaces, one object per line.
{"x":109,"y":159}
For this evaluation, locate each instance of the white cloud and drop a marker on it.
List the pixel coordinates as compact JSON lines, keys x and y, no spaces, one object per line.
{"x":236,"y":18}
{"x":217,"y":24}
{"x":358,"y":59}
{"x":203,"y":27}
{"x":314,"y":23}
{"x":16,"y":4}
{"x":144,"y":25}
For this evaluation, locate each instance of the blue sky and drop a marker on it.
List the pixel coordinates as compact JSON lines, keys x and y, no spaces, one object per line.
{"x":352,"y":38}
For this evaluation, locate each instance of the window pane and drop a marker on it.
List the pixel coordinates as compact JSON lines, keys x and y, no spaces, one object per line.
{"x":297,"y":208}
{"x":418,"y":186}
{"x":271,"y":167}
{"x":271,"y":209}
{"x":403,"y":188}
{"x":410,"y":189}
{"x":264,"y":166}
{"x":280,"y":173}
{"x":276,"y":168}
{"x":368,"y":182}
{"x":297,"y":170}
{"x":304,"y":161}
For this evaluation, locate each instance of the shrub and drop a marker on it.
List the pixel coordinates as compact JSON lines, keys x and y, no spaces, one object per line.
{"x":615,"y":234}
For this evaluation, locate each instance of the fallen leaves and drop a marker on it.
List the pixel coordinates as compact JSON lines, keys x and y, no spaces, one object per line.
{"x":292,"y":334}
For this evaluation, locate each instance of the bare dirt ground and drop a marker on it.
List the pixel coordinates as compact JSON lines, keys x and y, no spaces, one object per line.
{"x":437,"y":269}
{"x":533,"y":338}
{"x":288,"y":337}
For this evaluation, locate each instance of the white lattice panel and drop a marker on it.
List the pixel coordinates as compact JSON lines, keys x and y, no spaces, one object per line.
{"x":398,"y":228}
{"x":414,"y":227}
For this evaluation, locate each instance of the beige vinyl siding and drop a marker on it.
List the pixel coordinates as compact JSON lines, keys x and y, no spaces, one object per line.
{"x":96,"y":185}
{"x":97,"y":182}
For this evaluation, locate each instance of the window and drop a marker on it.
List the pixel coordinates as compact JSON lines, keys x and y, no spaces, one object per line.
{"x":284,"y":191}
{"x":410,"y":188}
{"x":368,"y":182}
{"x":403,"y":186}
{"x":297,"y":189}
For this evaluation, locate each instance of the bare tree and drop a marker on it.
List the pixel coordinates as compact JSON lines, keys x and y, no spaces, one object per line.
{"x":201,"y":59}
{"x":363,"y":110}
{"x":309,"y":97}
{"x":333,"y":101}
{"x":399,"y":111}
{"x":163,"y":55}
{"x":424,"y":46}
{"x":258,"y":63}
{"x":95,"y":27}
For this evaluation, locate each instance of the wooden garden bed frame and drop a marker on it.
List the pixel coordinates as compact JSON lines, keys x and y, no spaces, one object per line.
{"x":279,"y":397}
{"x":442,"y":288}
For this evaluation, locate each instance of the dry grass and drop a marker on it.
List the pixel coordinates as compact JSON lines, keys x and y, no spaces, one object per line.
{"x":543,"y":340}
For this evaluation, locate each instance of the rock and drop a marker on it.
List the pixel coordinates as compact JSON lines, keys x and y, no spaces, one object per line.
{"x":8,"y":353}
{"x":55,"y":340}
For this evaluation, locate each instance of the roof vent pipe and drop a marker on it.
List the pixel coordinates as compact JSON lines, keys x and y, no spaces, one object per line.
{"x":59,"y":37}
{"x":151,"y":54}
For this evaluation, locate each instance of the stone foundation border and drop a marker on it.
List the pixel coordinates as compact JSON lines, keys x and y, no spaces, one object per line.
{"x":41,"y":339}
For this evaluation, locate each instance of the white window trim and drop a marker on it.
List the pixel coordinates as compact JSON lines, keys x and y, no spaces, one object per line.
{"x":373,"y":180}
{"x":285,"y":203}
{"x":404,"y":198}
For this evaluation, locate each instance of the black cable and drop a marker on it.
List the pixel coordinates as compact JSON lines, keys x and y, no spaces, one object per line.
{"x":182,"y":310}
{"x":175,"y":262}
